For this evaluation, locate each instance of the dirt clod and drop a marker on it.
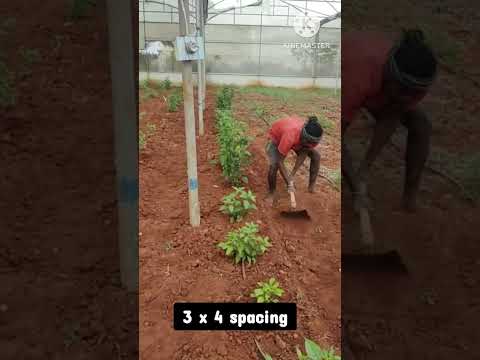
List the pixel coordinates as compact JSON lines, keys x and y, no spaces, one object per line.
{"x":280,"y":343}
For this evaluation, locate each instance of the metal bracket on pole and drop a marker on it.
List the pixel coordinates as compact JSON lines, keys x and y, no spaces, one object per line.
{"x":188,"y":48}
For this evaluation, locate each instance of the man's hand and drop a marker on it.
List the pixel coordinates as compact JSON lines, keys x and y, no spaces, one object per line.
{"x":301,"y":156}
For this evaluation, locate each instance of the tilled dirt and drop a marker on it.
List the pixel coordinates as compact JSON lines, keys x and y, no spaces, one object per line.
{"x":429,"y":313}
{"x":402,"y":316}
{"x":60,"y":294}
{"x":181,"y":263}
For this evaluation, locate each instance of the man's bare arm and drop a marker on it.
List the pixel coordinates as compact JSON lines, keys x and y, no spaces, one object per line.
{"x":298,"y":162}
{"x":347,"y":164}
{"x":386,"y":123}
{"x":283,"y":170}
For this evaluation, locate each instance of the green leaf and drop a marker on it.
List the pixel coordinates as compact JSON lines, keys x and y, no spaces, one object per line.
{"x":258,"y":292}
{"x":299,"y":353}
{"x":312,"y":349}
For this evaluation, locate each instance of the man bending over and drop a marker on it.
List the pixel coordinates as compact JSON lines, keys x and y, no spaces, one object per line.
{"x":292,"y":133}
{"x":388,"y":78}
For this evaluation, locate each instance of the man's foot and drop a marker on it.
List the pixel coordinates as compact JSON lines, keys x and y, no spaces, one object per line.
{"x":311,"y":189}
{"x":270,"y":200}
{"x":409,"y":204}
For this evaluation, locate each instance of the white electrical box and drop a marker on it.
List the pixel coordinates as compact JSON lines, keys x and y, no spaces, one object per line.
{"x":188,"y":48}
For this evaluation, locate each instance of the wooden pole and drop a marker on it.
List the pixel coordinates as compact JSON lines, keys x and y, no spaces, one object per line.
{"x":188,"y":103}
{"x":315,"y":58}
{"x":202,"y":62}
{"x":337,"y":65}
{"x":125,"y":129}
{"x":201,"y":131}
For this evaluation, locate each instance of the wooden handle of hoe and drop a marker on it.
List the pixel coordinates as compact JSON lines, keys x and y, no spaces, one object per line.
{"x":293,"y":202}
{"x":366,"y":227}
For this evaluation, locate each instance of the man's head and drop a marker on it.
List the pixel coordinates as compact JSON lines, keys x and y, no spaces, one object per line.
{"x":410,"y":69}
{"x":312,"y":131}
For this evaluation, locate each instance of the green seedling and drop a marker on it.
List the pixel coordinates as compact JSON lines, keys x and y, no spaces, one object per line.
{"x":7,"y":25}
{"x":29,"y":57}
{"x":147,"y":91}
{"x":168,"y":246}
{"x":142,"y":140}
{"x":151,"y":129}
{"x":166,"y":84}
{"x":143,"y":137}
{"x":260,"y":111}
{"x":268,"y":291}
{"x":173,"y":101}
{"x":80,"y":7}
{"x":7,"y":91}
{"x":244,"y":244}
{"x":238,"y":203}
{"x":315,"y":352}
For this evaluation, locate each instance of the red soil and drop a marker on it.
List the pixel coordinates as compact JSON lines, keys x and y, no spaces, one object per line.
{"x":60,"y":295}
{"x":181,"y":263}
{"x":431,"y":314}
{"x":427,"y":314}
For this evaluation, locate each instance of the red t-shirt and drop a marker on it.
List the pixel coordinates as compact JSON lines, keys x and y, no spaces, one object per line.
{"x":286,"y":134}
{"x":364,"y":55}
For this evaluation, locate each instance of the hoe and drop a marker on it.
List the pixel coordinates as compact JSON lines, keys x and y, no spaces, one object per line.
{"x":293,"y":213}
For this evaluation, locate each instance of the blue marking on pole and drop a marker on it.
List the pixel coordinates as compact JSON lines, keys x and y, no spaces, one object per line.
{"x":193,"y":184}
{"x":128,"y":192}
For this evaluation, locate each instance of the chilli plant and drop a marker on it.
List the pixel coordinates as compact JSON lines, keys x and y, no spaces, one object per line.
{"x":224,"y":98}
{"x":238,"y":203}
{"x":244,"y":244}
{"x":233,"y":143}
{"x":267,"y":291}
{"x":144,"y":136}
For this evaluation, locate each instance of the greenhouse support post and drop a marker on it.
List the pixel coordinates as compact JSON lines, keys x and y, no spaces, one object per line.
{"x":188,"y":103}
{"x":125,"y":130}
{"x":199,"y":19}
{"x":203,"y":61}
